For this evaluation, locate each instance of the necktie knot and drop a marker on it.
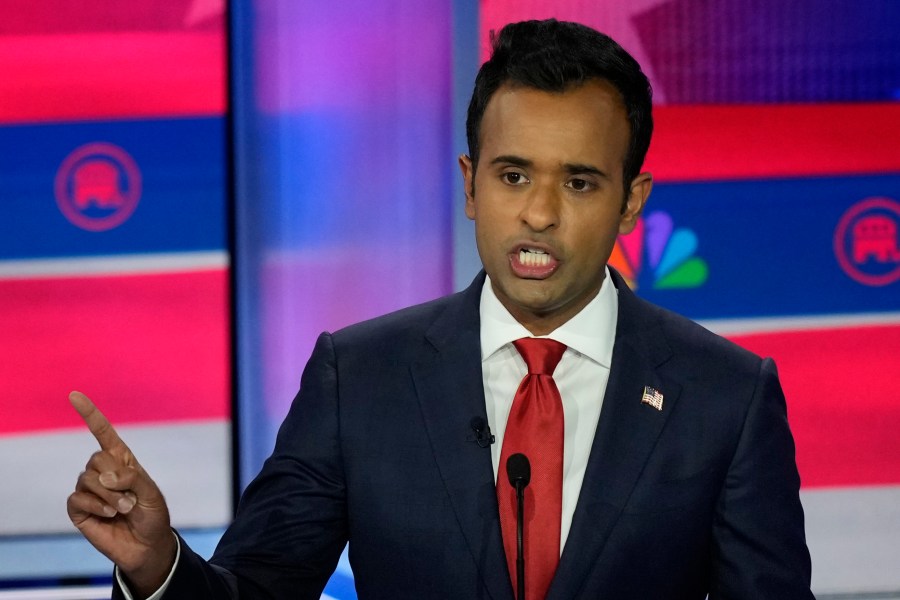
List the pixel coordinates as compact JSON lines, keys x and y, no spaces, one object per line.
{"x":540,"y":354}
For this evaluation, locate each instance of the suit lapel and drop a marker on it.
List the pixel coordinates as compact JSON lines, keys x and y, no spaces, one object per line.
{"x":626,"y":435}
{"x":450,"y":391}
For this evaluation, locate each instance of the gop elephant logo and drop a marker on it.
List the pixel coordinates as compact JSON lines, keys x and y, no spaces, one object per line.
{"x":98,"y":186}
{"x":867,"y":241}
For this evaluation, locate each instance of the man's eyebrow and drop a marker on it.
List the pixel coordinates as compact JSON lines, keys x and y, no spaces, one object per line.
{"x":511,"y":159}
{"x":579,"y":169}
{"x":570,"y":168}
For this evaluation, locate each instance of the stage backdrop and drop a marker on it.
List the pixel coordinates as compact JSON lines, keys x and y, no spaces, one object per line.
{"x":113,"y":260}
{"x":774,"y":221}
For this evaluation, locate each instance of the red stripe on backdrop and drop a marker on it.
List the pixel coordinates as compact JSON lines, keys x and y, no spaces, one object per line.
{"x":146,"y":348}
{"x":843,"y":401}
{"x":746,"y":142}
{"x":107,"y":15}
{"x":111,"y":75}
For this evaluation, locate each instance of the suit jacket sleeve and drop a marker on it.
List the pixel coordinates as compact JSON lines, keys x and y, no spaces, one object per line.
{"x":759,"y":543}
{"x":291,"y":523}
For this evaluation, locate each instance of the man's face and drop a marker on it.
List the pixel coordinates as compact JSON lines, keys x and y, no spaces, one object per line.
{"x":547,"y":197}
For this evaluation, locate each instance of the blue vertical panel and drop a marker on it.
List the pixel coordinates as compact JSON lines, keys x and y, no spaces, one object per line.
{"x":343,"y":167}
{"x":466,"y":262}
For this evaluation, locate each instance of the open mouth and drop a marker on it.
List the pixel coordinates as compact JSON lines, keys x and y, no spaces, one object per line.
{"x":534,"y":258}
{"x":529,"y":262}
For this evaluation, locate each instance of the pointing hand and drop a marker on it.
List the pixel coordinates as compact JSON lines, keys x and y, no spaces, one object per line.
{"x":119,"y":509}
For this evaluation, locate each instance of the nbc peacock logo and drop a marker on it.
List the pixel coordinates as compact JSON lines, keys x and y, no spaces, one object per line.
{"x":657,"y":248}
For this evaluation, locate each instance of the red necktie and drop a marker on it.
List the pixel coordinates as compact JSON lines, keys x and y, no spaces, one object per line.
{"x":535,"y":428}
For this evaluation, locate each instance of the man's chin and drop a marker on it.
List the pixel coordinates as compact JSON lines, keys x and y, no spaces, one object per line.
{"x":535,"y":296}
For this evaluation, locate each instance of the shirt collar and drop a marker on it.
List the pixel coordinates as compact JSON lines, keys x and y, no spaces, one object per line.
{"x":591,"y":332}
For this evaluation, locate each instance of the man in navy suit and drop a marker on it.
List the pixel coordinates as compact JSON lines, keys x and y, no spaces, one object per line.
{"x":679,"y":479}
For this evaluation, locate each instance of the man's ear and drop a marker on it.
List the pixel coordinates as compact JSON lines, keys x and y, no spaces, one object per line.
{"x":468,"y":173}
{"x":634,"y":203}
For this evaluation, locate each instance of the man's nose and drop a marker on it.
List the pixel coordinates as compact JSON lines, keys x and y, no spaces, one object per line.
{"x":541,"y":210}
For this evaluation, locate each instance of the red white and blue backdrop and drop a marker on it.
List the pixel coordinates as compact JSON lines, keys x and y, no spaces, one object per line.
{"x":774,"y":220}
{"x":114,"y":267}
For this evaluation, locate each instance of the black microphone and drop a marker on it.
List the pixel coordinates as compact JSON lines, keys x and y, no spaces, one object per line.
{"x":518,"y":469}
{"x":483,"y":436}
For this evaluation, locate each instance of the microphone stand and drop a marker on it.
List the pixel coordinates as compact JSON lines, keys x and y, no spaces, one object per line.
{"x":520,"y":537}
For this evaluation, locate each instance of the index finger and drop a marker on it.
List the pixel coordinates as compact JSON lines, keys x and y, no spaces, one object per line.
{"x":98,"y":424}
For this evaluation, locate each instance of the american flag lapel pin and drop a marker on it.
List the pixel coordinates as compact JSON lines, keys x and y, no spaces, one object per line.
{"x":652,"y":397}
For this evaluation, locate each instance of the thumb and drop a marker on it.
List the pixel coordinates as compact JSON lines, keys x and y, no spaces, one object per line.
{"x":135,"y":480}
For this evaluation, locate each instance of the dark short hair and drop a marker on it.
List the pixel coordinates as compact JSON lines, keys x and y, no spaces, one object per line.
{"x":554,"y":56}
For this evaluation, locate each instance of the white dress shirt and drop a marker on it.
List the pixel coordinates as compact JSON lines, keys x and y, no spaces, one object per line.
{"x":581,"y":376}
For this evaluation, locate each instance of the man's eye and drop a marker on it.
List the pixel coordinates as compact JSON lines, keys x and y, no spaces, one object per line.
{"x":579,"y":185}
{"x":513,"y":178}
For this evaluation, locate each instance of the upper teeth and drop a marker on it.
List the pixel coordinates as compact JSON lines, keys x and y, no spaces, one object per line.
{"x":534,"y":258}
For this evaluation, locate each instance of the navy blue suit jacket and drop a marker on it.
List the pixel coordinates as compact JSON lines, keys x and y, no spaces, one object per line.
{"x":698,"y":498}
